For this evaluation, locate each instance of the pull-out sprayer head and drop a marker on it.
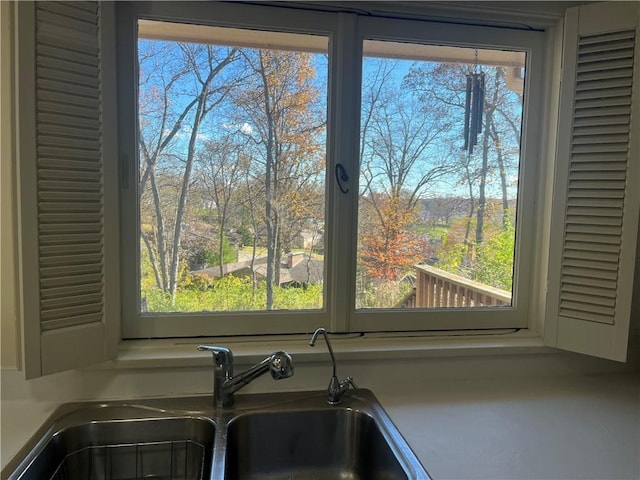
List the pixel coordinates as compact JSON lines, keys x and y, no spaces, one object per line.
{"x":280,"y":365}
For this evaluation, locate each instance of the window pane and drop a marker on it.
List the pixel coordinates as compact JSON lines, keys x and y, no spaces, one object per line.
{"x":232,"y":151}
{"x":439,"y":162}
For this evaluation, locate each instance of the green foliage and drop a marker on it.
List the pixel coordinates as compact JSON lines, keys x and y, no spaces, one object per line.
{"x":381,"y":294}
{"x":209,"y":257}
{"x":230,"y":294}
{"x":494,"y":259}
{"x":490,"y":263}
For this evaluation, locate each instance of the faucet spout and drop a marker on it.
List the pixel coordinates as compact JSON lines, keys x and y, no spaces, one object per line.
{"x":312,"y":343}
{"x":336,"y":388}
{"x":225,"y":384}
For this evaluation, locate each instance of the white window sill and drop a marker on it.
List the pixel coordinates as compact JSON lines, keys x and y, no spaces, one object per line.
{"x":163,"y":353}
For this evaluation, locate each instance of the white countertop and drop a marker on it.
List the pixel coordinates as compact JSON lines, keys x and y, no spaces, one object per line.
{"x":567,"y":427}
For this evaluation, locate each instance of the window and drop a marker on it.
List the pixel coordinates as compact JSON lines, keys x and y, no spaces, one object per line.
{"x":247,"y":193}
{"x":438,"y":196}
{"x":232,"y":154}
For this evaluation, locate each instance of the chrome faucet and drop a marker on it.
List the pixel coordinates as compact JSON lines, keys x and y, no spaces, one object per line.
{"x":279,"y":364}
{"x":336,"y":388}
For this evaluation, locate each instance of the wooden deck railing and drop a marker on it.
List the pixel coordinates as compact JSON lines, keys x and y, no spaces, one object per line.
{"x":436,"y":288}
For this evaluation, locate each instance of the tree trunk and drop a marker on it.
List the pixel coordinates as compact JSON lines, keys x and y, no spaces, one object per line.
{"x":503,"y":174}
{"x":184,"y":191}
{"x":268,"y":185}
{"x":489,"y":109}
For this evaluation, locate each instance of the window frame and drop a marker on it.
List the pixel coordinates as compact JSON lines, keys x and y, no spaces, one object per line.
{"x":190,"y":324}
{"x":532,"y":42}
{"x":346,"y":32}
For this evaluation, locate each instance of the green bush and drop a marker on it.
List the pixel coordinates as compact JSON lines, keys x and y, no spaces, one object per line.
{"x":231,"y":294}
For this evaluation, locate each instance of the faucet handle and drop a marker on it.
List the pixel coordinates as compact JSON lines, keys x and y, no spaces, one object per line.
{"x":348,"y":382}
{"x":221,"y":355}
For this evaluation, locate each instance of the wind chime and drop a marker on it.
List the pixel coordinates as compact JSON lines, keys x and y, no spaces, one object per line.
{"x":474,"y":105}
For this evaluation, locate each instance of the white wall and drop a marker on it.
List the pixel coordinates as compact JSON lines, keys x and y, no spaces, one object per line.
{"x":8,"y":247}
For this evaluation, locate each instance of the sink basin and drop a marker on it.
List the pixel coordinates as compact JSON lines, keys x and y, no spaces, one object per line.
{"x":269,"y":436}
{"x":151,"y":448}
{"x":336,"y":443}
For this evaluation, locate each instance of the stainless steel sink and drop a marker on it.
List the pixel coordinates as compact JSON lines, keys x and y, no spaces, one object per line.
{"x":121,"y":449}
{"x":337,"y":443}
{"x":266,"y":436}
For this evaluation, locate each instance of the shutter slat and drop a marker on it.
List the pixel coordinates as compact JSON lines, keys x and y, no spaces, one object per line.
{"x":67,"y":142}
{"x":69,"y":322}
{"x":70,"y":132}
{"x":599,"y":283}
{"x":595,"y":292}
{"x":595,"y":210}
{"x":72,"y":301}
{"x":617,"y":61}
{"x":585,"y":315}
{"x":614,"y":221}
{"x":65,"y":88}
{"x":598,"y":93}
{"x":592,"y":203}
{"x":69,"y":165}
{"x":593,"y":246}
{"x":69,"y":249}
{"x":61,"y":239}
{"x":57,"y":19}
{"x":605,"y":258}
{"x":71,"y":317}
{"x":62,"y":292}
{"x":54,"y":100}
{"x":602,"y":304}
{"x":599,"y":85}
{"x":605,"y":174}
{"x":589,"y":43}
{"x":69,"y":270}
{"x":605,"y":75}
{"x":79,"y":78}
{"x":50,"y":207}
{"x":76,"y":259}
{"x":594,"y":193}
{"x":602,"y":120}
{"x":46,"y":62}
{"x":603,"y":148}
{"x":593,"y":229}
{"x":66,"y":153}
{"x":590,"y":265}
{"x":71,"y":197}
{"x":79,"y":10}
{"x":601,"y":130}
{"x":69,"y":118}
{"x":60,"y":186}
{"x":579,"y":185}
{"x":591,"y":238}
{"x":71,"y":281}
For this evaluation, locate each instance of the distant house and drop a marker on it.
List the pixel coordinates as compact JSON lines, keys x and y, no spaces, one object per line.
{"x":296,"y":269}
{"x":308,"y":239}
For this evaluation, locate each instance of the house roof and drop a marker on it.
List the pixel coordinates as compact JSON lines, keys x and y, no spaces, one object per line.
{"x":305,"y":270}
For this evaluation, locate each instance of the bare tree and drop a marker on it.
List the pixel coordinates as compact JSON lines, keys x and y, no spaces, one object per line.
{"x":181,"y":84}
{"x":222,"y":163}
{"x":279,"y":103}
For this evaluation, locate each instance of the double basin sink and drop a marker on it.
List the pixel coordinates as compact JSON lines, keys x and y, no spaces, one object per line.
{"x":262,"y":436}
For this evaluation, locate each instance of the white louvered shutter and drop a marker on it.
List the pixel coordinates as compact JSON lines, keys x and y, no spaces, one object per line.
{"x":65,"y":155}
{"x":594,"y":235}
